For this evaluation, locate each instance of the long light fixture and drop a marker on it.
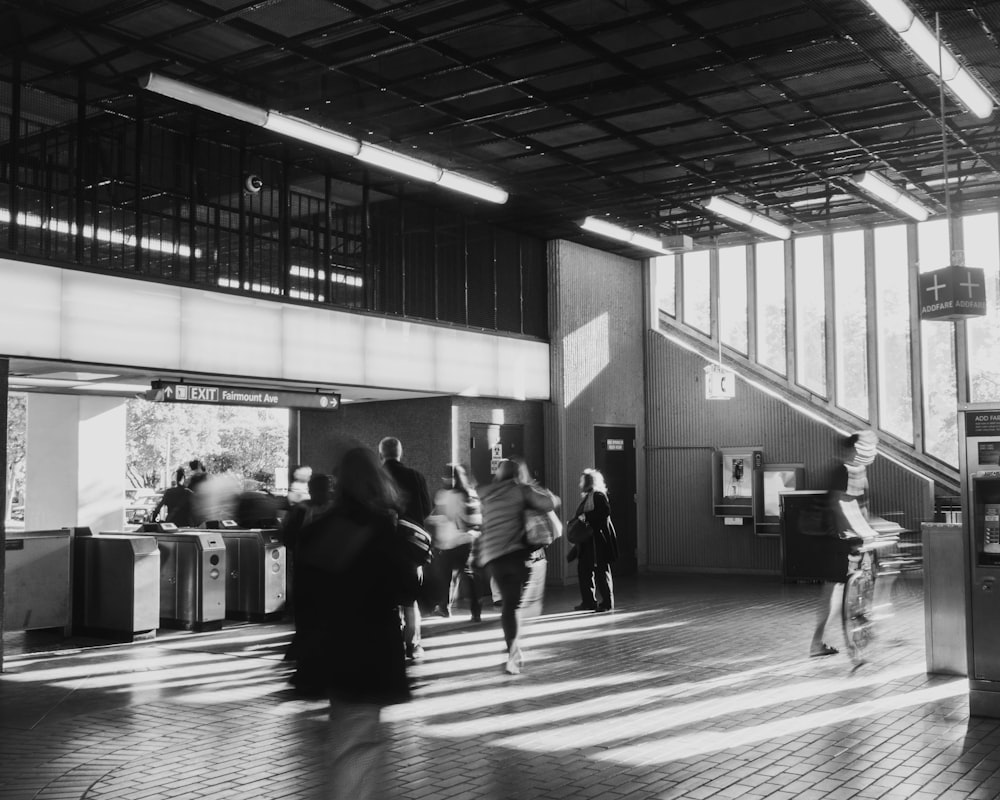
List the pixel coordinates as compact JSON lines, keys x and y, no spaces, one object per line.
{"x":879,"y":187}
{"x":599,"y":226}
{"x":922,"y":41}
{"x":295,"y":128}
{"x":744,"y":216}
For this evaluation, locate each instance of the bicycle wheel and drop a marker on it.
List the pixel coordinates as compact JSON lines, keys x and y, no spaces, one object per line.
{"x":857,"y":613}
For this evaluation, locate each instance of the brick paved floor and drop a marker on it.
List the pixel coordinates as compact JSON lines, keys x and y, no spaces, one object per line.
{"x":696,"y":687}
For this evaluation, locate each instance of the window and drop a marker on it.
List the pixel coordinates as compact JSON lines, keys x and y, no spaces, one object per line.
{"x":981,"y":250}
{"x":733,"y":297}
{"x":698,"y":291}
{"x":937,"y":341}
{"x":892,"y":333}
{"x":770,"y":284}
{"x":664,"y":269}
{"x":850,"y":322}
{"x":810,"y":314}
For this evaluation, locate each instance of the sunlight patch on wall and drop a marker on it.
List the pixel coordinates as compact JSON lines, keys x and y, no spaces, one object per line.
{"x":586,"y":352}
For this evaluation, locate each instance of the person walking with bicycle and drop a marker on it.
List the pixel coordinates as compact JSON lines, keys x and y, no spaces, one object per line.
{"x":848,"y":483}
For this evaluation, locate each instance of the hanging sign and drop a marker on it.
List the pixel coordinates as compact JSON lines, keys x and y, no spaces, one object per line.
{"x":173,"y":392}
{"x":953,"y":293}
{"x":720,"y":383}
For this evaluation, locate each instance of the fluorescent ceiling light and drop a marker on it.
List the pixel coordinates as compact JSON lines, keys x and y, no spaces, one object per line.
{"x":202,"y":98}
{"x":130,"y":388}
{"x":470,"y":186}
{"x":43,"y":383}
{"x":304,"y":131}
{"x":397,"y":162}
{"x":295,"y":128}
{"x":744,"y":216}
{"x":599,"y":226}
{"x":938,"y":58}
{"x":879,"y":187}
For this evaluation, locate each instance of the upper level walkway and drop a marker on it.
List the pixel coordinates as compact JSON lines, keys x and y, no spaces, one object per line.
{"x":696,"y":687}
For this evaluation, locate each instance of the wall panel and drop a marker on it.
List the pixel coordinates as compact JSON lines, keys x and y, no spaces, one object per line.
{"x":683,"y":428}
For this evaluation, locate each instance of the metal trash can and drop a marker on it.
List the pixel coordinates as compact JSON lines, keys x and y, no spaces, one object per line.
{"x":192,"y":578}
{"x":944,"y":598}
{"x":255,"y":573}
{"x":116,"y":585}
{"x":37,"y":575}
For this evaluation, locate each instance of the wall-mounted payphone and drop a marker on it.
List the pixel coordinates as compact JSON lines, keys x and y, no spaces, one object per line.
{"x":979,"y":443}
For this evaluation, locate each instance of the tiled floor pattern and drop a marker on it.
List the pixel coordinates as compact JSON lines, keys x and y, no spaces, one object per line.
{"x":697,"y":687}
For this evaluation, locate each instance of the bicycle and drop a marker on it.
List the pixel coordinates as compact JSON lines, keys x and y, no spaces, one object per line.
{"x":858,"y":608}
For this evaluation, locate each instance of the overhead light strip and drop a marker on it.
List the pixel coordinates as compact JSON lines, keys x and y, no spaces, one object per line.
{"x":599,"y":226}
{"x":744,"y":216}
{"x":879,"y":187}
{"x":295,"y":128}
{"x":938,"y":58}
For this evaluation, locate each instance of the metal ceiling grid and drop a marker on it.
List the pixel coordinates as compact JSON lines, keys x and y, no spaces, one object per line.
{"x":636,"y":109}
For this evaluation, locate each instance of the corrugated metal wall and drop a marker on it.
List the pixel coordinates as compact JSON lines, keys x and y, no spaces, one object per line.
{"x":682,"y":430}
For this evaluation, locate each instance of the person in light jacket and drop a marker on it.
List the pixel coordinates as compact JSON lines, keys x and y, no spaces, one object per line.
{"x":501,"y":547}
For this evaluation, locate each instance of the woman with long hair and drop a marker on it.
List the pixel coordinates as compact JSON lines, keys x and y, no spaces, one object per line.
{"x":597,"y":553}
{"x":460,"y":517}
{"x":352,"y":572}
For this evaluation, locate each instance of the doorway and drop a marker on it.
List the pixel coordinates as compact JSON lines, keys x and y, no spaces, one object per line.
{"x":490,"y":444}
{"x":614,"y":456}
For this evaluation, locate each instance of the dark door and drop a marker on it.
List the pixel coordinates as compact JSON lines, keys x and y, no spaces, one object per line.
{"x":614,"y":456}
{"x":492,"y":443}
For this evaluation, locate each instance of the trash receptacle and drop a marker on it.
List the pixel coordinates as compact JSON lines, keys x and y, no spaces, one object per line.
{"x":116,"y":585}
{"x":37,"y":575}
{"x":192,"y":578}
{"x":255,"y":573}
{"x":944,"y":598}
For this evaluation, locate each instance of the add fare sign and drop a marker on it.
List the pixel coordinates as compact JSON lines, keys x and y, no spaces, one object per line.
{"x":953,"y":293}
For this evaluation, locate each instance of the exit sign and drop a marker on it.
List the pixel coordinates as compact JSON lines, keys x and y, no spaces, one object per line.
{"x":175,"y":392}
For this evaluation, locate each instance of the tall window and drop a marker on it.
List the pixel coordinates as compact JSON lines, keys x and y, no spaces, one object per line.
{"x":698,"y":290}
{"x":770,"y":285}
{"x":810,"y":314}
{"x":981,"y":250}
{"x":892,"y":333}
{"x":733,"y":297}
{"x":665,"y":281}
{"x":937,"y":339}
{"x":850,"y":321}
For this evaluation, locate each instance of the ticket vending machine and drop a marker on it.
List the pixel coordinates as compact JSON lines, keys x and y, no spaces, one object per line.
{"x":979,"y":444}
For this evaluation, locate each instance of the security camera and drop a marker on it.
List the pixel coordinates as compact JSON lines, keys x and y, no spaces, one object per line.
{"x":253,"y":184}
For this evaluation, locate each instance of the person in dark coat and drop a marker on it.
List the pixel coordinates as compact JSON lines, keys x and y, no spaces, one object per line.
{"x":352,"y":574}
{"x":596,"y":555}
{"x":177,"y":501}
{"x":416,"y":501}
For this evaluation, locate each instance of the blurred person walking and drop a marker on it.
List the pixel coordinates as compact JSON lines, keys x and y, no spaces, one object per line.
{"x":457,"y":521}
{"x":353,"y":573}
{"x":599,"y":551}
{"x":504,"y":552}
{"x":416,"y":507}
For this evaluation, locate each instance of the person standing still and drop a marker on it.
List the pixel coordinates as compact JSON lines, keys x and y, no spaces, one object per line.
{"x":417,"y":507}
{"x":600,"y":551}
{"x":177,"y":501}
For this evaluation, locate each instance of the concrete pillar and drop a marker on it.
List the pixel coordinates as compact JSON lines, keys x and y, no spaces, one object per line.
{"x":75,"y":466}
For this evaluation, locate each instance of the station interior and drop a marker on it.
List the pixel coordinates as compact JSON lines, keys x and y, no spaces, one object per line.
{"x":693,"y":245}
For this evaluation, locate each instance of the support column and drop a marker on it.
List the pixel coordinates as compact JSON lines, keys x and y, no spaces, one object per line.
{"x":4,"y":365}
{"x":75,"y":467}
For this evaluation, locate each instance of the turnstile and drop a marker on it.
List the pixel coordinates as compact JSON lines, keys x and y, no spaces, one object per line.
{"x":255,"y":573}
{"x":116,"y":585}
{"x":192,"y":578}
{"x":37,"y":575}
